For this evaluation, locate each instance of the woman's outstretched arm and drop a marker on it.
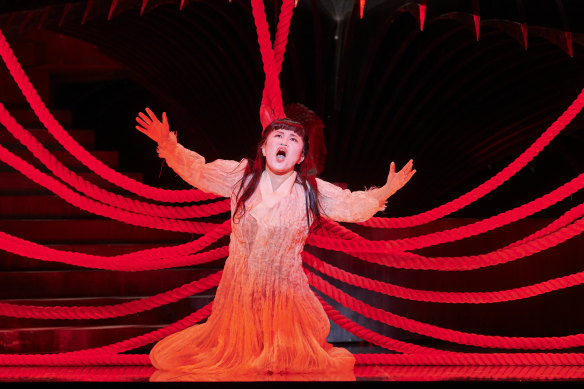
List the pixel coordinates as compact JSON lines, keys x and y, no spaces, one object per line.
{"x":218,"y":177}
{"x":344,"y":205}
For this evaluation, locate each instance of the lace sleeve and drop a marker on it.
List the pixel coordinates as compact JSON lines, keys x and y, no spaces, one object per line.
{"x":343,"y":205}
{"x":218,"y":177}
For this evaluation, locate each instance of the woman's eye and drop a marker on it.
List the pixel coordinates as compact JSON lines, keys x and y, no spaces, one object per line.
{"x":294,"y":140}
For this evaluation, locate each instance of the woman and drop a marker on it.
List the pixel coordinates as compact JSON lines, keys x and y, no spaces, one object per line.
{"x":265,"y":318}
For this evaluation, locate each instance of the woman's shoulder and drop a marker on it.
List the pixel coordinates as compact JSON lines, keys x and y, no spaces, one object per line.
{"x":229,"y":165}
{"x":326,"y":187}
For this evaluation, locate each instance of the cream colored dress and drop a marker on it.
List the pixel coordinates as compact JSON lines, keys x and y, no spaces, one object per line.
{"x":265,"y":318}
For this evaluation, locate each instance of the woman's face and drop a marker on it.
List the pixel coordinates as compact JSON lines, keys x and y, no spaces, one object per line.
{"x":283,"y":150}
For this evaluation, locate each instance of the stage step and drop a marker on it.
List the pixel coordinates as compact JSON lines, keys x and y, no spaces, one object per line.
{"x":13,"y":262}
{"x":31,"y":212}
{"x":158,"y":316}
{"x":110,"y":158}
{"x":85,"y":138}
{"x":64,"y":339}
{"x":87,"y":231}
{"x":16,"y":183}
{"x":27,"y":118}
{"x":25,"y":50}
{"x":94,"y":283}
{"x":10,"y":93}
{"x":478,"y":244}
{"x":75,"y":335}
{"x":27,"y":206}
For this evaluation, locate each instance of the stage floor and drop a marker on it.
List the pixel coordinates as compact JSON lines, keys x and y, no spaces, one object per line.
{"x":361,"y":374}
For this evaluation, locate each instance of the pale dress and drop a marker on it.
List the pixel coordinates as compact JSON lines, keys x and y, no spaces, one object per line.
{"x":265,"y":318}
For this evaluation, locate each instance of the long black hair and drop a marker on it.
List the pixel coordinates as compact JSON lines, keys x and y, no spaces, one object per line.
{"x":304,"y":173}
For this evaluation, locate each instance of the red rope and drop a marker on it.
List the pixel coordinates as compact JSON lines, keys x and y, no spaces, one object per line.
{"x":490,"y":184}
{"x":272,"y":92}
{"x":110,"y":311}
{"x":474,"y":359}
{"x":92,"y":190}
{"x":117,"y":373}
{"x":154,"y":336}
{"x":444,"y":297}
{"x":73,"y":359}
{"x":154,"y":216}
{"x":363,"y":245}
{"x":551,"y":360}
{"x":99,"y":208}
{"x":371,"y":336}
{"x":567,"y":218}
{"x":106,"y":355}
{"x":79,"y":152}
{"x":149,"y":259}
{"x":282,"y":30}
{"x":405,"y":260}
{"x":489,"y":341}
{"x":502,"y":373}
{"x":419,"y":355}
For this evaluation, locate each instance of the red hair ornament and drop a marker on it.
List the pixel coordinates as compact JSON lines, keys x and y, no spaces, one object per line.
{"x":267,"y":116}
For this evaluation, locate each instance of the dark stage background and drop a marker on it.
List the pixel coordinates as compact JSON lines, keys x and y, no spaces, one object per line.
{"x":463,"y":108}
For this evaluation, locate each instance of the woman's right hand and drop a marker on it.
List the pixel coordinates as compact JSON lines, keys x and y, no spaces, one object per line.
{"x":151,"y":126}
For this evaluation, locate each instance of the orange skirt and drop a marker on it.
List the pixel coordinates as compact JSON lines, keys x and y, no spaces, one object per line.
{"x":258,"y":327}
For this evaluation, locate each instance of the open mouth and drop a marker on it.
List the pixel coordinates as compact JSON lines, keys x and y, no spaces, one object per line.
{"x":281,"y":154}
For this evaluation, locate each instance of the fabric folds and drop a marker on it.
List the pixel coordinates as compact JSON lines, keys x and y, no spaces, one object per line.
{"x":265,"y":318}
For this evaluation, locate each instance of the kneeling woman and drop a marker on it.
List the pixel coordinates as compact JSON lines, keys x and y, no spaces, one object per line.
{"x":265,"y":318}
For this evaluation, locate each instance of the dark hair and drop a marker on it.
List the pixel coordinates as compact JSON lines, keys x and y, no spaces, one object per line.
{"x":304,"y":173}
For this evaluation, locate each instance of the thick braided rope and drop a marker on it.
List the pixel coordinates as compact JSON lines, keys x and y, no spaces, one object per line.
{"x":496,"y":221}
{"x":551,"y":362}
{"x":97,"y":193}
{"x":98,"y":208}
{"x":371,"y":336}
{"x":148,"y":259}
{"x":129,"y":264}
{"x":154,"y":336}
{"x":361,"y":244}
{"x":73,"y":360}
{"x":430,"y":373}
{"x":150,"y":221}
{"x":279,"y":50}
{"x":567,"y":218}
{"x":106,"y":355}
{"x":418,"y":355}
{"x":104,"y":171}
{"x":332,"y":229}
{"x":280,"y":41}
{"x":443,"y":297}
{"x":272,"y":84}
{"x":488,"y":341}
{"x":89,"y":373}
{"x":33,"y":250}
{"x":110,"y":311}
{"x":406,"y":260}
{"x":519,"y":163}
{"x":473,"y":359}
{"x":429,"y":356}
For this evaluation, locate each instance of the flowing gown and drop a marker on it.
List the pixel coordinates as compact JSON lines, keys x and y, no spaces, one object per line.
{"x":265,"y":318}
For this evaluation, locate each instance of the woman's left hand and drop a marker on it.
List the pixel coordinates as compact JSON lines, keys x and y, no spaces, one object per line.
{"x":395,"y":181}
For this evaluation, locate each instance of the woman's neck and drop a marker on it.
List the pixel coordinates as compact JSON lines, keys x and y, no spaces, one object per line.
{"x":277,"y":179}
